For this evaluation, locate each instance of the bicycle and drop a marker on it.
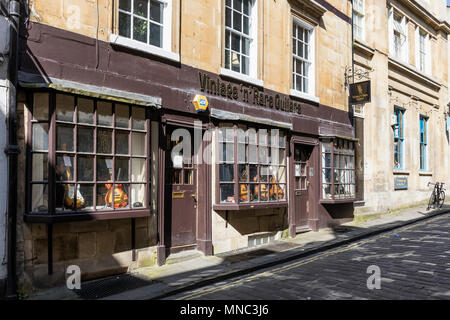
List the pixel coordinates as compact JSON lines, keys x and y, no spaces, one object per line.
{"x":437,"y":196}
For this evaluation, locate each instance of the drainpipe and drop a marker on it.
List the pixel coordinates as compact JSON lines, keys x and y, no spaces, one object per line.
{"x":12,"y":149}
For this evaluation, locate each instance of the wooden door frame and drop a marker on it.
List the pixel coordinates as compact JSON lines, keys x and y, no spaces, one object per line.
{"x":313,"y":194}
{"x":203,"y":223}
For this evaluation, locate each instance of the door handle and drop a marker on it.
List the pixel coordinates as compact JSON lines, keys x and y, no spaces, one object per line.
{"x":194,"y":196}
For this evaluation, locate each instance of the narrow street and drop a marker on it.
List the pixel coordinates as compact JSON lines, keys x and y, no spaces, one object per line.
{"x":414,"y":263}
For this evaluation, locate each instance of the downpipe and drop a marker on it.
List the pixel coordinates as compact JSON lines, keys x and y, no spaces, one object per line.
{"x":12,"y":150}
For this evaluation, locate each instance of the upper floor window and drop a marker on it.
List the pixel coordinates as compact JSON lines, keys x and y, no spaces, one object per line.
{"x":422,"y":50}
{"x":399,"y":138}
{"x":240,"y":36}
{"x":358,"y":19}
{"x":423,"y":142}
{"x":303,"y":57}
{"x":398,"y":36}
{"x":147,"y":21}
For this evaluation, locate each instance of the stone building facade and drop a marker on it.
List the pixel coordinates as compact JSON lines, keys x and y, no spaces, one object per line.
{"x":403,"y":49}
{"x":109,"y":87}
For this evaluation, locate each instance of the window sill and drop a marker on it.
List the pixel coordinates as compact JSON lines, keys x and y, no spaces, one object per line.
{"x":247,"y":206}
{"x":304,"y":96}
{"x":337,"y":201}
{"x":83,"y":216}
{"x":400,"y":172}
{"x":115,"y":39}
{"x":242,"y":77}
{"x":425,"y":173}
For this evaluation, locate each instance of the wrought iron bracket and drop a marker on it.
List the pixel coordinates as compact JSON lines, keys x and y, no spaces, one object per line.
{"x":12,"y":149}
{"x":352,"y":74}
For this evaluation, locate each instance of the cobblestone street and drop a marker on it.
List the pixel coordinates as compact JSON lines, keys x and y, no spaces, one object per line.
{"x":414,"y":263}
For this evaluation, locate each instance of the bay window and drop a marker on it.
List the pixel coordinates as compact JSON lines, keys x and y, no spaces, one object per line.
{"x":252,"y":165}
{"x":338,"y":169}
{"x":87,"y":156}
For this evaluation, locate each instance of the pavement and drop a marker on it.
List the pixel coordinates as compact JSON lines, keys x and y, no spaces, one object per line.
{"x":191,"y":270}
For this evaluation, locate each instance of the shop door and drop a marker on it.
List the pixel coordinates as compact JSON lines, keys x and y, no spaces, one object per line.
{"x":302,"y":181}
{"x":181,"y":197}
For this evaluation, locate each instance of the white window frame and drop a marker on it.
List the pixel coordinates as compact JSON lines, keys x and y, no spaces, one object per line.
{"x":361,"y":13}
{"x":252,"y":77}
{"x":311,"y":94}
{"x":426,"y":67}
{"x":166,"y":50}
{"x":402,"y":29}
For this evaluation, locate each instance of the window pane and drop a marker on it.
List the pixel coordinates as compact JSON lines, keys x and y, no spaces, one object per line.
{"x":85,"y":111}
{"x":243,"y":173}
{"x":104,"y":141}
{"x":226,"y":152}
{"x":156,"y":35}
{"x":117,"y":196}
{"x":253,"y":173}
{"x":122,"y":169}
{"x":85,"y":140}
{"x":39,"y":198}
{"x":124,"y":25}
{"x":264,"y":173}
{"x":85,"y":168}
{"x":246,"y":29}
{"x":242,"y":153}
{"x":264,"y":194}
{"x":177,"y":176}
{"x":138,"y":144}
{"x":138,"y":115}
{"x":86,"y":191}
{"x":122,"y":116}
{"x":156,"y":11}
{"x":254,"y":192}
{"x":226,"y":172}
{"x":65,"y":107}
{"x":243,"y":192}
{"x":141,"y":8}
{"x":237,"y":21}
{"x":188,"y":176}
{"x":245,"y":65}
{"x":102,"y":191}
{"x":104,"y":169}
{"x":64,"y":138}
{"x":327,"y":191}
{"x":140,"y":29}
{"x":40,"y":136}
{"x":40,"y":106}
{"x":138,"y":173}
{"x":39,"y":167}
{"x":64,"y":168}
{"x":138,"y":195}
{"x":121,"y":142}
{"x":281,"y":175}
{"x":263,"y":156}
{"x":226,"y":193}
{"x":125,"y":5}
{"x":104,"y":113}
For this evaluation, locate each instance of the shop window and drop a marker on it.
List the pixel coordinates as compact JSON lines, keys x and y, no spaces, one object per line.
{"x":252,"y":165}
{"x":338,"y":169}
{"x":240,"y":36}
{"x":98,"y":161}
{"x":423,"y":142}
{"x":146,"y":21}
{"x":399,"y":138}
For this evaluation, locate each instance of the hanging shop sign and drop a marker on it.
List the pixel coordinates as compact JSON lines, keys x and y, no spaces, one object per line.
{"x":400,"y":183}
{"x":247,"y":94}
{"x":200,"y":103}
{"x":360,"y":92}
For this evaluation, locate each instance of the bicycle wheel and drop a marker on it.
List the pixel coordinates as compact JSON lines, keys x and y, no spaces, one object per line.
{"x":441,"y":198}
{"x":431,"y":202}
